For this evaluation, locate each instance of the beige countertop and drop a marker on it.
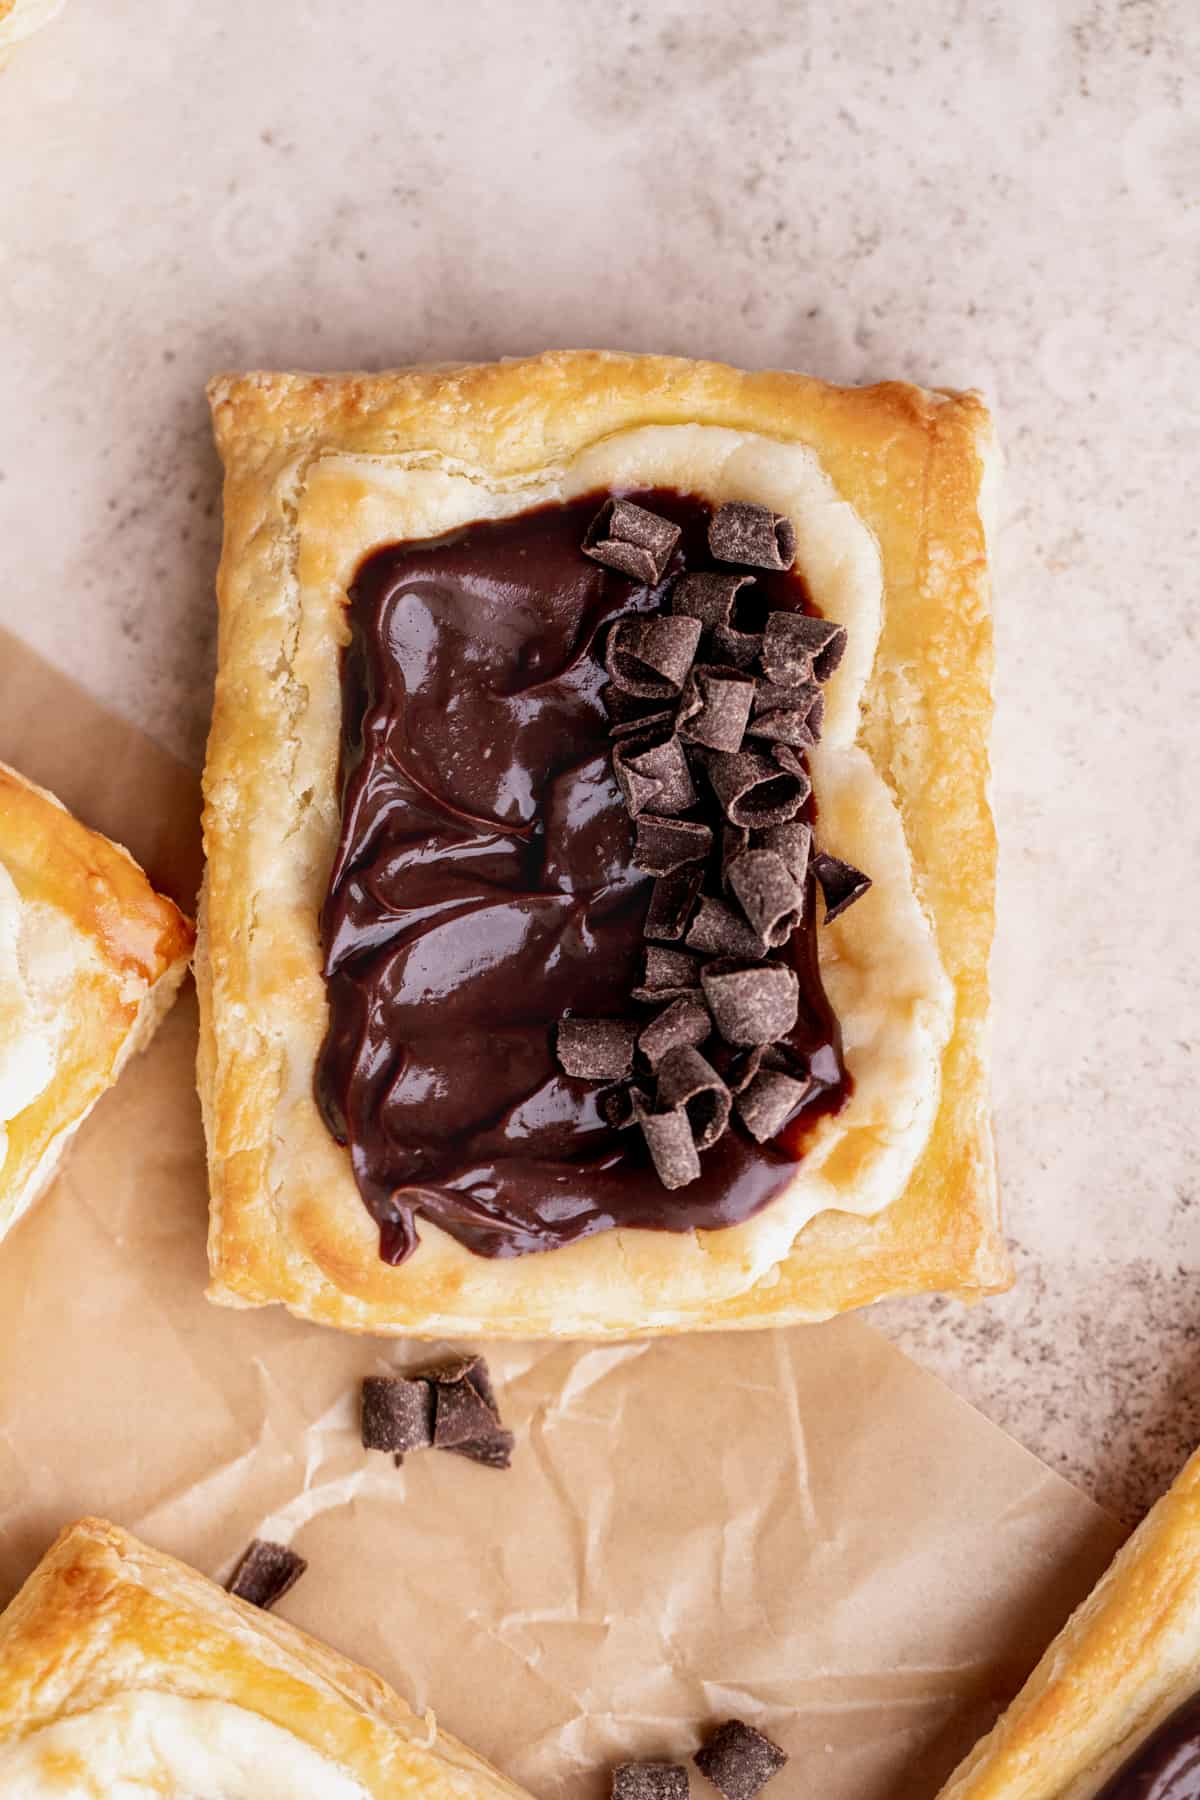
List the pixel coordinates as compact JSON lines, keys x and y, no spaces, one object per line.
{"x":954,"y":195}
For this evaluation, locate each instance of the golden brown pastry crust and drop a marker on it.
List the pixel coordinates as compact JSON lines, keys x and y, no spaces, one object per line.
{"x":911,"y":466}
{"x":21,"y":18}
{"x":1122,"y":1662}
{"x":104,"y":1617}
{"x":136,"y":946}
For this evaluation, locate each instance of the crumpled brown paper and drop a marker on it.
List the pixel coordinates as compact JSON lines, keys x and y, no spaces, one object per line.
{"x":799,"y":1527}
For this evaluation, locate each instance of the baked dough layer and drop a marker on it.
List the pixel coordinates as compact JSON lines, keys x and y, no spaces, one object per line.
{"x":1121,"y":1664}
{"x":21,"y":18}
{"x":91,"y":958}
{"x":123,"y":1672}
{"x":884,"y":488}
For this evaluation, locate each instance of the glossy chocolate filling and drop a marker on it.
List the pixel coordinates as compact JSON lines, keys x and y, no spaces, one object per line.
{"x":483,"y":887}
{"x":1167,"y":1766}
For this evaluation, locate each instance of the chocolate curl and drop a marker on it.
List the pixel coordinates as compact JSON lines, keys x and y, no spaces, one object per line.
{"x":708,"y":598}
{"x":654,"y":779}
{"x":738,"y":1760}
{"x":595,"y":1049}
{"x":793,"y":762}
{"x":688,"y":1082}
{"x":741,"y":532}
{"x":397,"y":1414}
{"x":801,"y":647}
{"x":739,"y":649}
{"x":788,"y":715}
{"x":631,"y":540}
{"x":266,"y":1572}
{"x":734,"y":839}
{"x":754,"y":790}
{"x":671,"y":1145}
{"x":671,"y":903}
{"x":793,"y":842}
{"x":751,"y":1004}
{"x":662,"y":845}
{"x":667,"y":974}
{"x":840,"y":882}
{"x":716,"y":707}
{"x":649,"y":1781}
{"x":684,"y":1021}
{"x":767,"y":1101}
{"x":768,"y":895}
{"x":617,"y":1105}
{"x":643,"y":725}
{"x":467,"y":1418}
{"x":719,"y":931}
{"x":650,"y":658}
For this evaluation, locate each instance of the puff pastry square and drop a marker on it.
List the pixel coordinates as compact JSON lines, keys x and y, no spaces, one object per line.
{"x":91,"y":958}
{"x":1119,"y":1667}
{"x":124,"y":1672}
{"x":887,"y":489}
{"x":19,"y":19}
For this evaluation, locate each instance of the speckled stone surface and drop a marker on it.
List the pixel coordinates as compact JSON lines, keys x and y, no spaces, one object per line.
{"x":1003,"y":196}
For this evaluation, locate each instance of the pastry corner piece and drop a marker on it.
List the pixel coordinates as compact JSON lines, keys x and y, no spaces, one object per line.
{"x":1112,"y":1710}
{"x":91,"y":958}
{"x":19,"y":19}
{"x":498,"y":1034}
{"x":121,"y":1669}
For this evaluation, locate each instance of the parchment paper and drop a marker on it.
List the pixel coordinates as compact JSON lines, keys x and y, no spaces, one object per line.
{"x":799,"y":1527}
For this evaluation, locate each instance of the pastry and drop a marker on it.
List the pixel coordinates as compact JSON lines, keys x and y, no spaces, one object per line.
{"x":21,"y":18}
{"x":393,"y":1146}
{"x":1114,"y":1705}
{"x":90,"y":960}
{"x":123,"y":1671}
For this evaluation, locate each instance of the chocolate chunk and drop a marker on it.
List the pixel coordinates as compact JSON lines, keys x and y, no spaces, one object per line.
{"x":737,"y":648}
{"x":754,"y":790}
{"x":265,"y":1573}
{"x":749,"y":1004}
{"x":654,"y":780}
{"x":684,"y":1021}
{"x":716,"y":707}
{"x":788,"y":715}
{"x":397,"y":1414}
{"x":650,"y":1781}
{"x":793,"y":842}
{"x":666,"y":974}
{"x":631,"y":540}
{"x":669,"y":1140}
{"x":741,"y":532}
{"x":767,"y":1101}
{"x":738,"y":1760}
{"x":494,"y":1452}
{"x":661,"y":845}
{"x":799,"y":647}
{"x":649,"y":725}
{"x":462,"y":1415}
{"x":768,"y":895}
{"x":734,"y":839}
{"x":671,"y":903}
{"x":841,"y":883}
{"x":708,"y":598}
{"x":688,"y":1080}
{"x":650,"y":658}
{"x":595,"y":1049}
{"x":717,"y":930}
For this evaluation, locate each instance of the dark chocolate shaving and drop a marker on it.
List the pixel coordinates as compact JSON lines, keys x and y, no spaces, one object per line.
{"x":654,"y":780}
{"x":793,"y":762}
{"x":688,"y":1080}
{"x":793,"y":842}
{"x":684,"y":1021}
{"x":671,"y":901}
{"x":618,"y":1107}
{"x":768,"y":895}
{"x":717,"y":930}
{"x":666,"y":974}
{"x":738,"y":1760}
{"x":753,"y":790}
{"x":494,"y":1452}
{"x":661,"y":845}
{"x":800,"y":647}
{"x":649,"y":1781}
{"x":841,"y":883}
{"x":397,"y":1414}
{"x":734,"y":839}
{"x":631,"y":540}
{"x":751,"y":1004}
{"x":739,"y":649}
{"x":462,"y":1415}
{"x":649,"y":725}
{"x":707,"y":597}
{"x":741,"y":532}
{"x":767,"y":1101}
{"x":650,"y":658}
{"x":669,"y":1140}
{"x":715,"y":708}
{"x":596,"y":1049}
{"x":265,"y":1573}
{"x":788,"y":715}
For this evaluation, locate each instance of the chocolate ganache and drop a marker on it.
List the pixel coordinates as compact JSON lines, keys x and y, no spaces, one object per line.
{"x":1167,"y":1766}
{"x":483,"y":888}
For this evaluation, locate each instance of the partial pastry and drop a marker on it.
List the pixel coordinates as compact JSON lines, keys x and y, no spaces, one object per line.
{"x":122,"y":1671}
{"x":600,"y":865}
{"x":90,"y":960}
{"x":19,"y":19}
{"x":1112,"y":1711}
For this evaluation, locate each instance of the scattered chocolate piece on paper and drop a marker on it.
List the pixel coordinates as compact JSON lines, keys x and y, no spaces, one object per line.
{"x":494,"y":1451}
{"x":684,"y":1021}
{"x":801,"y":647}
{"x":649,"y":1781}
{"x":717,"y":930}
{"x":738,"y":1760}
{"x":688,"y":1081}
{"x":671,"y":902}
{"x":767,"y":1101}
{"x":708,"y":597}
{"x":768,"y":895}
{"x":397,"y":1414}
{"x":596,"y":1049}
{"x":666,"y":974}
{"x":752,"y":1004}
{"x":632,"y":540}
{"x":741,"y":532}
{"x":715,"y":708}
{"x":265,"y":1573}
{"x":662,"y":845}
{"x":755,"y":790}
{"x":462,"y":1415}
{"x":840,"y":882}
{"x":671,"y":1145}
